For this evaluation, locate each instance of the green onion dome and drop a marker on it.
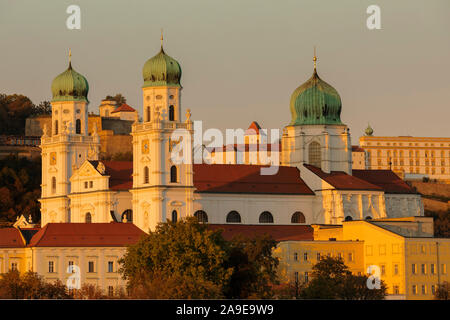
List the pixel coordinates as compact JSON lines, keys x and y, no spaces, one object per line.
{"x":315,"y":102}
{"x":70,"y":86}
{"x":161,"y":70}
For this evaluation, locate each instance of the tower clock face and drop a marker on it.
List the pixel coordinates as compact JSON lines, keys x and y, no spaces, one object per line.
{"x":145,"y":146}
{"x":53,"y":158}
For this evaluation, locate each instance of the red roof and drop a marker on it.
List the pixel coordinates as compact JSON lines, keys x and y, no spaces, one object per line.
{"x":87,"y":235}
{"x":119,"y":172}
{"x":278,"y":232}
{"x":386,"y":179}
{"x":124,"y":108}
{"x":357,"y":149}
{"x":11,"y":238}
{"x":342,"y":181}
{"x":238,"y":178}
{"x":247,"y":147}
{"x":253,"y":129}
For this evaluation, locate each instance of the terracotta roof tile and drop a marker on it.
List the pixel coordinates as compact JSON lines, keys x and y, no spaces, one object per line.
{"x":357,"y":149}
{"x":86,"y":235}
{"x":124,"y":108}
{"x":237,"y":178}
{"x":278,"y":232}
{"x":342,"y":181}
{"x":385,"y":179}
{"x":11,"y":238}
{"x":120,"y":173}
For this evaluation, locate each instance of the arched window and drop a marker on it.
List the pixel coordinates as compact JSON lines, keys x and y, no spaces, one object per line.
{"x":201,"y":216}
{"x":53,"y":185}
{"x":368,"y":218}
{"x":148,"y":114}
{"x":56,"y":127}
{"x":173,"y":174}
{"x":298,"y":217}
{"x":171,"y":113}
{"x":78,"y":126}
{"x":348,"y":218}
{"x":107,"y":113}
{"x":88,"y":218}
{"x":174,"y":216}
{"x":146,"y":175}
{"x":233,"y":217}
{"x":266,"y":217}
{"x":128,"y":214}
{"x":315,"y":154}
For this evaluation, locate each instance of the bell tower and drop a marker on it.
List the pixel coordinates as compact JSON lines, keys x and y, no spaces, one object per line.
{"x":162,"y":186}
{"x":66,"y":145}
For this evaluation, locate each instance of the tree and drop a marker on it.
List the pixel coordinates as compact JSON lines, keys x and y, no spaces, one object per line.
{"x":119,"y":98}
{"x":182,"y":260}
{"x":443,"y":291}
{"x":43,"y":108}
{"x":14,"y":109}
{"x":254,"y":268}
{"x":30,"y":285}
{"x":331,"y":279}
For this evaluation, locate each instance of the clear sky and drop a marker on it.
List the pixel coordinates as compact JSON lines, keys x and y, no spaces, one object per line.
{"x":242,"y":59}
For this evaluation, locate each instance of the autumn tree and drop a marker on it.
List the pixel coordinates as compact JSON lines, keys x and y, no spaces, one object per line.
{"x":331,"y":279}
{"x":442,"y":291}
{"x":119,"y":98}
{"x":30,"y":285}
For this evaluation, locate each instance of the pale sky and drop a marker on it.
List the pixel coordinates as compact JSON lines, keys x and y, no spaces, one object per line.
{"x":242,"y":59}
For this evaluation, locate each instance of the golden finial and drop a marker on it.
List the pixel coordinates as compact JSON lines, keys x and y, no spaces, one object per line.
{"x":315,"y":58}
{"x":162,"y":37}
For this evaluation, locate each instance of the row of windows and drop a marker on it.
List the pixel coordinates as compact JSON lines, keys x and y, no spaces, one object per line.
{"x":265,"y":217}
{"x":127,"y":214}
{"x":91,"y":267}
{"x":77,"y":127}
{"x":423,"y":289}
{"x":410,"y":144}
{"x":410,"y":154}
{"x":319,"y":255}
{"x":424,"y":268}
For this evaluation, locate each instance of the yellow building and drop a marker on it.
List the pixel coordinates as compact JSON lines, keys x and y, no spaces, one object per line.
{"x":411,"y":262}
{"x":409,"y":156}
{"x":92,"y":249}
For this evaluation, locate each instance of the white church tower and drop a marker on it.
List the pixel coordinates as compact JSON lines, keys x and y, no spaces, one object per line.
{"x":316,"y":134}
{"x":66,"y":145}
{"x":162,"y":187}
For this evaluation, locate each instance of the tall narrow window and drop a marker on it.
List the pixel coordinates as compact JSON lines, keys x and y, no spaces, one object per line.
{"x":56,"y":127}
{"x":91,"y":266}
{"x":173,"y":174}
{"x":128,"y":215}
{"x":78,"y":126}
{"x":88,"y":218}
{"x":174,"y":216}
{"x":110,"y":266}
{"x":314,"y":153}
{"x":51,"y":267}
{"x":171,"y":113}
{"x":53,"y":185}
{"x":146,"y":175}
{"x":148,"y":114}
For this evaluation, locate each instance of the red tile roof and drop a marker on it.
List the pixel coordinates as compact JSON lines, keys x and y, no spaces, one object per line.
{"x":238,"y":178}
{"x":86,"y":235}
{"x":357,"y":149}
{"x":278,"y":232}
{"x":342,"y":181}
{"x":120,"y":173}
{"x":253,"y":129}
{"x":386,"y":179}
{"x":11,"y":238}
{"x":124,"y":108}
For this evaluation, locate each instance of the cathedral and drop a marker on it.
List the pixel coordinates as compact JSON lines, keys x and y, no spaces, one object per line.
{"x":314,"y":184}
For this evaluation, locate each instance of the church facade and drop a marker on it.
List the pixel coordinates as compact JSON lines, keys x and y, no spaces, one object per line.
{"x":314,"y":183}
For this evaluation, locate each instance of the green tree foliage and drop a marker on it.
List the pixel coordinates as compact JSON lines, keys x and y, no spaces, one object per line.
{"x":331,"y":279}
{"x":186,"y":260}
{"x":14,"y":109}
{"x":254,"y":268}
{"x":119,"y":98}
{"x":20,"y":180}
{"x":30,"y":285}
{"x":443,"y":291}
